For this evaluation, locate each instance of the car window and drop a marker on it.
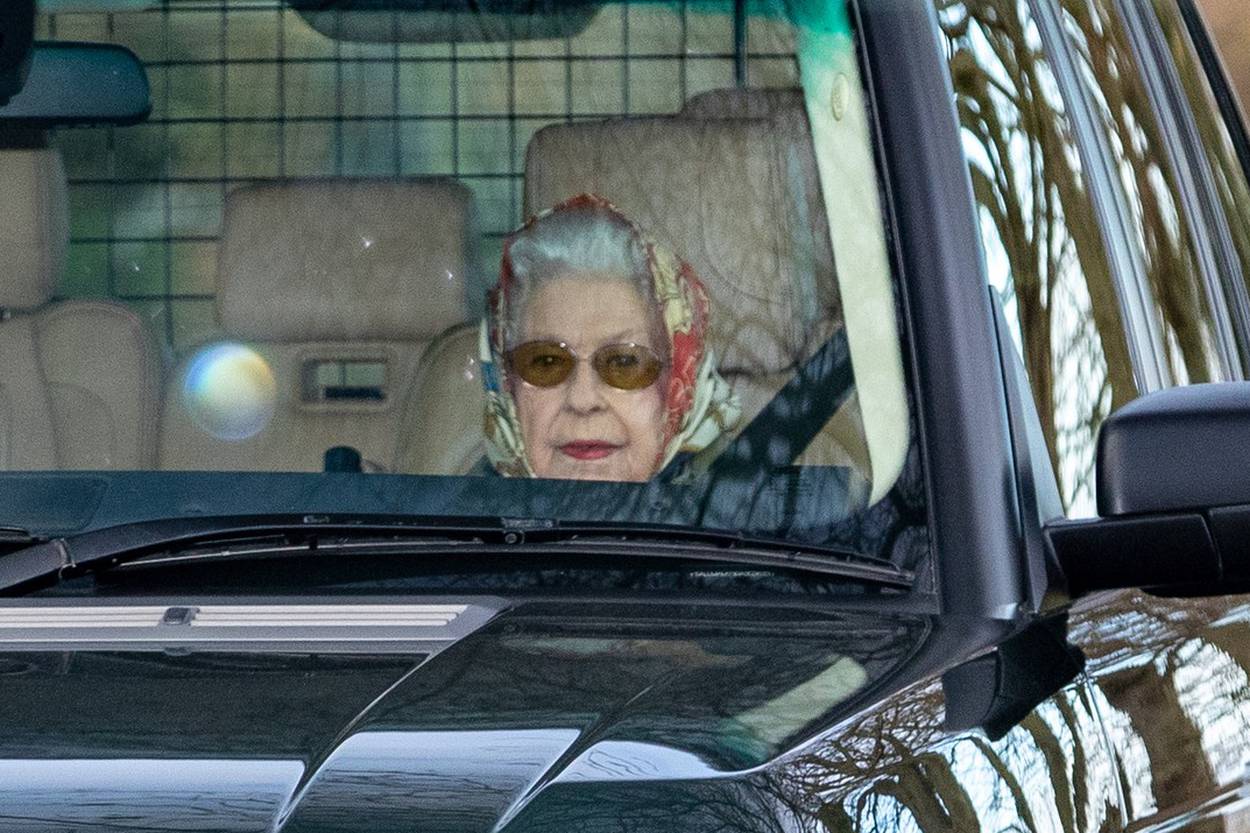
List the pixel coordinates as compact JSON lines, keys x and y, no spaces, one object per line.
{"x":1185,"y":320}
{"x":338,"y":229}
{"x":1216,"y":164}
{"x":1044,"y":248}
{"x":1087,"y":232}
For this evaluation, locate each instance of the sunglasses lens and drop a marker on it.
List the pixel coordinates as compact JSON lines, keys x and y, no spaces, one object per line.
{"x":627,"y":366}
{"x":543,"y":364}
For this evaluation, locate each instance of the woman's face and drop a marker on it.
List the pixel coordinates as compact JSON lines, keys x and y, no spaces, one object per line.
{"x":583,"y":428}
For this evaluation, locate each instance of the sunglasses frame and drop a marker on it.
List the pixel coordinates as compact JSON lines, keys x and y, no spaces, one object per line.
{"x":659,"y":363}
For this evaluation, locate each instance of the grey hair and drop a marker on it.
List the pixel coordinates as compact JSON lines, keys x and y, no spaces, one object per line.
{"x":582,"y":241}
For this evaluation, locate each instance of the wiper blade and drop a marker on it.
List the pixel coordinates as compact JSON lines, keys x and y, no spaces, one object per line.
{"x":48,"y":561}
{"x":193,"y":539}
{"x":718,"y":545}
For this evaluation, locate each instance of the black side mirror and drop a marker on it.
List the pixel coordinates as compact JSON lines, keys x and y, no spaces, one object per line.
{"x":1173,"y":487}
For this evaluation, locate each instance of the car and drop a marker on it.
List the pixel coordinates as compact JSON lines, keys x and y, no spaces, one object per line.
{"x":911,"y":495}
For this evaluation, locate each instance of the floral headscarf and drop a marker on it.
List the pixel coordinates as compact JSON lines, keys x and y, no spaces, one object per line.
{"x":699,"y":405}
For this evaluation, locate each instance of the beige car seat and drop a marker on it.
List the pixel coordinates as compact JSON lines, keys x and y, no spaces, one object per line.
{"x":784,"y":110}
{"x":79,"y":380}
{"x":339,"y":286}
{"x":732,"y":186}
{"x":442,"y":424}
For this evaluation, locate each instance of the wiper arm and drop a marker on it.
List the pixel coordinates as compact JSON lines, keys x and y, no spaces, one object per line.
{"x":15,"y":538}
{"x":718,"y":545}
{"x":49,"y":561}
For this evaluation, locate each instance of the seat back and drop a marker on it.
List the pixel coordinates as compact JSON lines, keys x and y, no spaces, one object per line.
{"x":443,"y":424}
{"x":338,"y":286}
{"x":79,"y":380}
{"x":785,"y":112}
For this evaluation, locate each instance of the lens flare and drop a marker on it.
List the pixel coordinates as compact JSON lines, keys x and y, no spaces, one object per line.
{"x":229,"y":391}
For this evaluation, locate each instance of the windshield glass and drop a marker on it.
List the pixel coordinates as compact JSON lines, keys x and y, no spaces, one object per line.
{"x":576,"y":262}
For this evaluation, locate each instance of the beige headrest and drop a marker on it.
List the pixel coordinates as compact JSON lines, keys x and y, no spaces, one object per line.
{"x":727,"y":195}
{"x":34,"y":226}
{"x":344,"y":260}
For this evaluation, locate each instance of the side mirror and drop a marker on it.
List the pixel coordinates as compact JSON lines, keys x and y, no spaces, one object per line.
{"x":1173,"y":488}
{"x":79,"y":84}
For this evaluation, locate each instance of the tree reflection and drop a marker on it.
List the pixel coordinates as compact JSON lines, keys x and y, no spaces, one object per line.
{"x":1227,"y":176}
{"x":895,"y":769}
{"x":1173,"y":676}
{"x":1044,"y":249}
{"x":1105,"y":57}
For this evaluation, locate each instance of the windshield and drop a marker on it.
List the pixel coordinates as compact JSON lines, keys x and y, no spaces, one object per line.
{"x":586,"y":262}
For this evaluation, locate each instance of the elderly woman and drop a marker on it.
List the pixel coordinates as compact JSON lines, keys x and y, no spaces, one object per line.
{"x":593,"y":352}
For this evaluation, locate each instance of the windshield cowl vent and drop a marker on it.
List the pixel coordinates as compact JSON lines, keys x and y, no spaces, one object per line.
{"x":227,"y":626}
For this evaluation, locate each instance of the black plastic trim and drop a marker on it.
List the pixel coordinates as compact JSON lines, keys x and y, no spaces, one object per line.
{"x":241,"y":537}
{"x":1040,"y":501}
{"x":961,"y":403}
{"x":1152,"y":551}
{"x":1230,"y":527}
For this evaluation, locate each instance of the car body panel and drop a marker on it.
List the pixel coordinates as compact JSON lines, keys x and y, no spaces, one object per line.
{"x":1170,"y":676}
{"x":564,"y":701}
{"x":559,"y":718}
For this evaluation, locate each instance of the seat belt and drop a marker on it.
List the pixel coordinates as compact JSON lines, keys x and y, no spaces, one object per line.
{"x":795,"y":415}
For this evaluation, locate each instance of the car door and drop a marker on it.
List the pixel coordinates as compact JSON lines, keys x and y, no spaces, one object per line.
{"x":1171,"y":675}
{"x":1170,"y":683}
{"x":1113,"y":210}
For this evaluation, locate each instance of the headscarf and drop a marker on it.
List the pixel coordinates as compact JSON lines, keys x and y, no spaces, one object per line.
{"x":699,"y":405}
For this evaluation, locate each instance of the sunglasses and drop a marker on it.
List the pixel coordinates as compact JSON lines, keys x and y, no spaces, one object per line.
{"x":545,"y":364}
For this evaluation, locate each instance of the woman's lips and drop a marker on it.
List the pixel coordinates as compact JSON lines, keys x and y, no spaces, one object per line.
{"x":588,"y":449}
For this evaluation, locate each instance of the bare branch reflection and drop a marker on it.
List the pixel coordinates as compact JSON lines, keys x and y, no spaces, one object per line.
{"x":1045,"y":252}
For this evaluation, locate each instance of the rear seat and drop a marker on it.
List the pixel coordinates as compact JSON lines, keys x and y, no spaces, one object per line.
{"x":322,"y":278}
{"x":732,"y":186}
{"x":79,"y":380}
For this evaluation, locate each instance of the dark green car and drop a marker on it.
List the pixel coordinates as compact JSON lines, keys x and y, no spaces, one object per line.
{"x":725,"y":416}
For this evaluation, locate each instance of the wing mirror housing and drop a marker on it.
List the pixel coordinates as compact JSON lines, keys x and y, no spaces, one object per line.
{"x":994,"y":692}
{"x":1173,"y":493}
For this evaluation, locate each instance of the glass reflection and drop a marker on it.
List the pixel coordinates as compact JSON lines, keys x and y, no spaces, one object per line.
{"x":896,"y":770}
{"x":229,"y":391}
{"x":1151,"y":192}
{"x":1045,"y":254}
{"x":1227,"y":177}
{"x":1172,"y":680}
{"x":1040,"y":225}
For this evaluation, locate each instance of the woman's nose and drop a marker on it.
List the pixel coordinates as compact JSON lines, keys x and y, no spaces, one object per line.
{"x":585,"y":390}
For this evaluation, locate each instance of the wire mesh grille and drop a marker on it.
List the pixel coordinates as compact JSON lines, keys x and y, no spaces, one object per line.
{"x":249,"y":92}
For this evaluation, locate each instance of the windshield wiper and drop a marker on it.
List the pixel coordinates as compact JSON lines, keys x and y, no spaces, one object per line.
{"x":15,"y":538}
{"x":200,"y":539}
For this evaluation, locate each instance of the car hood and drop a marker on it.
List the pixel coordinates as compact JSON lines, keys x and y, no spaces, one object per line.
{"x":535,"y":713}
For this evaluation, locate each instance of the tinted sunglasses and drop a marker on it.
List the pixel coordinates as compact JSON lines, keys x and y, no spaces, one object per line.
{"x":546,"y":364}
